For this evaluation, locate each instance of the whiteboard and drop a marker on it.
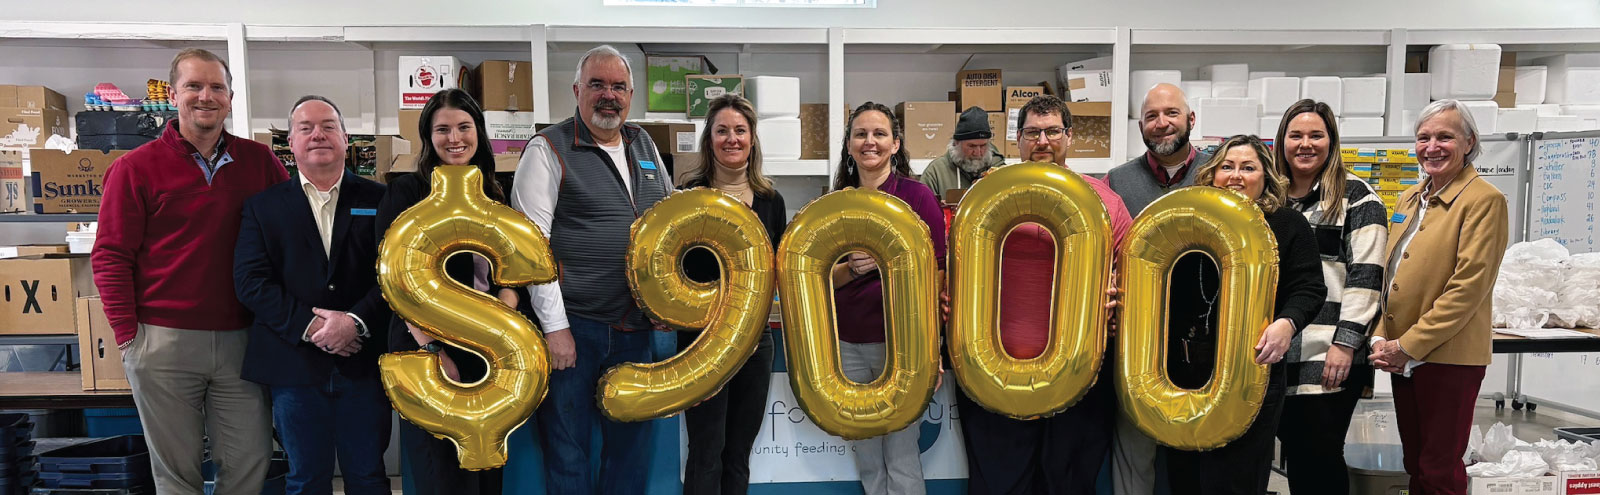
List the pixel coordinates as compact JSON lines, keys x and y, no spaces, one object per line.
{"x":1563,"y":185}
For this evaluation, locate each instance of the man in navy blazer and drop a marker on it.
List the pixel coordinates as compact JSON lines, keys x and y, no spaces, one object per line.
{"x":306,"y":265}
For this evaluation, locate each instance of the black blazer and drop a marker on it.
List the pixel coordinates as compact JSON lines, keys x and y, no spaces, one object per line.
{"x":280,"y":273}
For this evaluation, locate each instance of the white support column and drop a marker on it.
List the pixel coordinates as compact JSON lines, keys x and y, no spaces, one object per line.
{"x":1121,"y":66}
{"x":835,"y":97}
{"x":239,"y":64}
{"x":1398,"y":40}
{"x":539,"y":35}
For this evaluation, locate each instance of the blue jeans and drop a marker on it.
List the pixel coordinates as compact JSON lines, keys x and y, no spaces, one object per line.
{"x":344,"y":418}
{"x":570,"y":412}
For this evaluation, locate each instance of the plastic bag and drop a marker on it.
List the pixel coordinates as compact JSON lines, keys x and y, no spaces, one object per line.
{"x":1563,"y":455}
{"x":1496,"y":443}
{"x":1530,"y":283}
{"x":1474,"y":444}
{"x":1578,"y":300}
{"x":1515,"y":464}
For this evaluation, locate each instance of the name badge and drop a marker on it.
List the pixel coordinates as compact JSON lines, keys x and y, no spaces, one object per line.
{"x":647,"y":165}
{"x":364,"y":212}
{"x":1397,"y":218}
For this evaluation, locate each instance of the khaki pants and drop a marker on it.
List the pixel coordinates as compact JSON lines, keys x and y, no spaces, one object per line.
{"x":186,"y":384}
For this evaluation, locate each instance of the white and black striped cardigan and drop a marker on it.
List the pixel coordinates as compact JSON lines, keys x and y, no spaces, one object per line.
{"x":1352,"y":248}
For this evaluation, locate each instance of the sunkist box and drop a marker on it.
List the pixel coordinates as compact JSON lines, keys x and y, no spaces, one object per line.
{"x":44,"y":290}
{"x":980,"y":88}
{"x":97,"y":346}
{"x":700,"y":90}
{"x":421,"y":77}
{"x":13,"y":189}
{"x":928,"y":127}
{"x":1091,"y":129}
{"x":664,"y":80}
{"x":70,"y":182}
{"x":813,"y":131}
{"x":1016,"y":98}
{"x":505,"y":85}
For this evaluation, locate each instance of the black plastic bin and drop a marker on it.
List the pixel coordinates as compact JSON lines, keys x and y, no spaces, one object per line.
{"x":112,"y":463}
{"x":1579,"y":434}
{"x":145,"y":490}
{"x":10,"y":452}
{"x":15,"y":428}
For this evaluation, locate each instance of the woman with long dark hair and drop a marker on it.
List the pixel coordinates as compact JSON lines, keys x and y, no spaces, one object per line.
{"x":453,"y":128}
{"x":875,"y":159}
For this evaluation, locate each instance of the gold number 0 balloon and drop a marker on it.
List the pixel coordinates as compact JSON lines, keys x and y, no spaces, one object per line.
{"x":1068,"y":207}
{"x":886,"y":228}
{"x":1231,"y":230}
{"x":456,"y":217}
{"x":733,"y":311}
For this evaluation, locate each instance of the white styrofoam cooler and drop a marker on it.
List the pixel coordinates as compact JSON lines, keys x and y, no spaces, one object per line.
{"x":1485,"y":113}
{"x":1268,"y":129}
{"x":1275,"y":93}
{"x":1267,"y":73}
{"x":1234,"y":73}
{"x":1585,"y":112}
{"x":1544,"y":109}
{"x":1559,"y":123}
{"x":1518,"y":120}
{"x":1364,"y":97}
{"x":1360,"y":126}
{"x":1464,"y":71}
{"x":1408,"y":121}
{"x":1195,"y":89}
{"x":1326,"y":89}
{"x":1140,"y":82}
{"x":773,"y":96}
{"x":1572,"y":79}
{"x":1419,"y":91}
{"x":1530,"y":84}
{"x":1224,"y":117}
{"x":1220,"y":89}
{"x":780,"y":138}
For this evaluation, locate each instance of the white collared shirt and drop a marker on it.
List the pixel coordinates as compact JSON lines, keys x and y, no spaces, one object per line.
{"x":323,"y":205}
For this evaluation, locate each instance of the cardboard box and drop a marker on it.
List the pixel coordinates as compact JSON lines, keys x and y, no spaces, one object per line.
{"x":43,"y":291}
{"x":814,"y":131}
{"x":509,"y":125}
{"x":372,"y":156}
{"x":928,"y":127}
{"x":1506,"y":99}
{"x":672,"y":137}
{"x":35,"y":97}
{"x":1537,"y":485}
{"x":31,"y":127}
{"x":980,"y":88}
{"x":421,"y":77}
{"x":684,"y":166}
{"x":409,"y":119}
{"x":13,"y":189}
{"x":97,"y":348}
{"x":700,"y":90}
{"x":1579,"y":483}
{"x":997,"y":127}
{"x":1091,"y":129}
{"x":664,"y":79}
{"x":1016,"y":98}
{"x":70,"y":182}
{"x":504,"y":85}
{"x":1088,"y":86}
{"x":32,"y":249}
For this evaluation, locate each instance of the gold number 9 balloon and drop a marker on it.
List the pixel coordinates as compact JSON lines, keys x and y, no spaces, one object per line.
{"x":1231,"y":230}
{"x":1065,"y":205}
{"x":886,"y":228}
{"x":733,"y":311}
{"x":455,"y":217}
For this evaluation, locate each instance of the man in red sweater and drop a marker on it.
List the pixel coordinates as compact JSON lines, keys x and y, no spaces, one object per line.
{"x":1060,"y":454}
{"x":163,"y":260}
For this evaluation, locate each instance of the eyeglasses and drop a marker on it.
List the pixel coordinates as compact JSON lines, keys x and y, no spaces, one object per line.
{"x":1054,"y":133}
{"x":618,"y":88}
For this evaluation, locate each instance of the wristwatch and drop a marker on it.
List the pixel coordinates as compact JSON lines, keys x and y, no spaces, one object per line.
{"x":433,"y":347}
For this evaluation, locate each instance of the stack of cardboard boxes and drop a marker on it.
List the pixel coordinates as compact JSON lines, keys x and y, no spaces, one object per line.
{"x":53,"y":293}
{"x":503,"y":88}
{"x":1389,"y":171}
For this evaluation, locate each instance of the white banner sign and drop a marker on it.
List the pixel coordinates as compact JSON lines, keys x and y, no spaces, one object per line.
{"x":790,"y":448}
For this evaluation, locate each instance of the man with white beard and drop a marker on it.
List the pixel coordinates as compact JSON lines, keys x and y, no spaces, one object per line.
{"x":583,"y":181}
{"x":970,"y":155}
{"x":1164,"y":121}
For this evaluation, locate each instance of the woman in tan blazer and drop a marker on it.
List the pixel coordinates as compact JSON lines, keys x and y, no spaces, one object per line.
{"x":1446,"y":238}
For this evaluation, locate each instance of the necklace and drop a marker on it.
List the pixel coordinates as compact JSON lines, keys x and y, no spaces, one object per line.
{"x":1205,"y":318}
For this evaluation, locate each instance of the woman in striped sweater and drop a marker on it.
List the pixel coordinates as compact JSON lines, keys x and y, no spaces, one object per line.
{"x":1328,"y":371}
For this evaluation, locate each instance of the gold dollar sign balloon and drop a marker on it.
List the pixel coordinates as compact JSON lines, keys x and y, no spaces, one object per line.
{"x":456,"y":217}
{"x":886,"y":228}
{"x":1230,"y":229}
{"x":1064,"y":204}
{"x":733,"y":311}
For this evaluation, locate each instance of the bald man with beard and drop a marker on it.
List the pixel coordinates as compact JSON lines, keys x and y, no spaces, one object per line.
{"x":1165,"y":122}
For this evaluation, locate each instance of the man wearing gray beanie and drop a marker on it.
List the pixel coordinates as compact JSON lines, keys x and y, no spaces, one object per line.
{"x":969,"y":156}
